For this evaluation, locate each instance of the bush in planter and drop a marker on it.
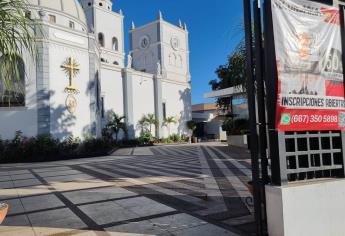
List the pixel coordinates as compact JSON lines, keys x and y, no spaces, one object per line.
{"x":42,"y":147}
{"x":69,"y":146}
{"x":228,"y":125}
{"x":192,"y":125}
{"x":95,"y":146}
{"x":146,"y":138}
{"x":185,"y":138}
{"x":46,"y":146}
{"x":235,"y":126}
{"x":175,"y":138}
{"x":167,"y":141}
{"x":241,"y":124}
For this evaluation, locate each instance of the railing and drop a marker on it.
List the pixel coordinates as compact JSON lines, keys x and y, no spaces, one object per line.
{"x":311,"y":155}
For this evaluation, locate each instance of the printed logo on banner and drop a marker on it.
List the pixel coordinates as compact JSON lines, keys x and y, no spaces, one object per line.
{"x":307,"y":42}
{"x":286,"y":119}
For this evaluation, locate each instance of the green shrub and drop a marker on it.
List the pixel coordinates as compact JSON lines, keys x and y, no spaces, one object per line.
{"x":69,"y":146}
{"x":235,"y":126}
{"x":185,"y":138}
{"x":146,"y":138}
{"x":175,"y":138}
{"x":94,"y":146}
{"x":241,"y":123}
{"x":166,"y":141}
{"x":46,"y":148}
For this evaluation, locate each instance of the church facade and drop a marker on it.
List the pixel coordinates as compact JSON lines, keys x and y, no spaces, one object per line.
{"x":82,"y":73}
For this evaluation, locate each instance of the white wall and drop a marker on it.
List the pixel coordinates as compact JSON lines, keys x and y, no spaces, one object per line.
{"x":112,"y":90}
{"x":63,"y":124}
{"x":143,"y":98}
{"x":303,"y":209}
{"x":178,"y":105}
{"x":111,"y":25}
{"x":177,"y":69}
{"x":145,"y":58}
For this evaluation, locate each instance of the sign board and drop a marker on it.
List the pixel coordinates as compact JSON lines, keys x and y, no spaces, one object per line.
{"x":309,"y":64}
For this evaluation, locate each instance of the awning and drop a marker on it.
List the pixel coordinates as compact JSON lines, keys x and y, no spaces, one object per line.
{"x":223,"y":93}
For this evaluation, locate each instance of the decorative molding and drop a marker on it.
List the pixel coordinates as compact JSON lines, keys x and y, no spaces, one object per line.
{"x":69,"y":38}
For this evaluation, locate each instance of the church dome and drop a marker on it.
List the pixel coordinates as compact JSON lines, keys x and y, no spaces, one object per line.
{"x":70,"y":7}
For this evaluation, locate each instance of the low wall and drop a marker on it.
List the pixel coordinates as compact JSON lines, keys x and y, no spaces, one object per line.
{"x":303,"y":209}
{"x":238,"y":140}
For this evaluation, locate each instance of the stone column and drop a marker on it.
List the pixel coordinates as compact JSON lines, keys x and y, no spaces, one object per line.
{"x":128,"y":101}
{"x":95,"y":125}
{"x":42,"y":76}
{"x":158,"y":104}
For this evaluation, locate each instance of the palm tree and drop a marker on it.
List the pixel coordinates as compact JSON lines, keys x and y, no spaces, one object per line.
{"x":192,"y":126}
{"x":168,"y":121}
{"x":142,"y":123}
{"x":151,"y":120}
{"x":16,"y":36}
{"x":116,"y":124}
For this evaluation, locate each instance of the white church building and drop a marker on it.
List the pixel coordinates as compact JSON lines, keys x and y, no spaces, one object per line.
{"x":81,"y":73}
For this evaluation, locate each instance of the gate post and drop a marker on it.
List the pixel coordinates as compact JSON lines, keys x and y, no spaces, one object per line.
{"x":252,"y":117}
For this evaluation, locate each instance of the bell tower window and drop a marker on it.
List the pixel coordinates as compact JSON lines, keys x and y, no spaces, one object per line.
{"x":101,"y":39}
{"x":115,"y":44}
{"x":71,"y":24}
{"x":52,"y":19}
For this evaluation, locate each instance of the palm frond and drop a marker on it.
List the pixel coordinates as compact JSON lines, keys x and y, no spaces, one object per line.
{"x":16,"y":37}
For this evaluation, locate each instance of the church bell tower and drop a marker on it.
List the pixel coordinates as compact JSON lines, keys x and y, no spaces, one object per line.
{"x":163,"y":43}
{"x":108,"y":29}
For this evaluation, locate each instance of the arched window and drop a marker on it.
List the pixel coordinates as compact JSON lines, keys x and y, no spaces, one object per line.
{"x":12,"y":94}
{"x":101,"y":39}
{"x":115,"y":44}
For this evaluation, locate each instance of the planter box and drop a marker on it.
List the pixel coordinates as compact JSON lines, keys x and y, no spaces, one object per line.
{"x":238,"y":140}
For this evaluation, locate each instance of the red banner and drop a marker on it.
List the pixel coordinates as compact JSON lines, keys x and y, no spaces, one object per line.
{"x":309,"y":64}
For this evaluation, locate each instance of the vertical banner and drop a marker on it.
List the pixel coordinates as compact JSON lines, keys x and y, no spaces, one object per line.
{"x":309,"y":62}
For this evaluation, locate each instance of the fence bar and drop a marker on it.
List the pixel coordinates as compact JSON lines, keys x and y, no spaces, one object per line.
{"x":271,"y":89}
{"x":252,"y":117}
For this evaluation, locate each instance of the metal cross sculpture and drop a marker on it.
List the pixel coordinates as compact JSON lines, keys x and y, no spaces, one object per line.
{"x":71,"y":68}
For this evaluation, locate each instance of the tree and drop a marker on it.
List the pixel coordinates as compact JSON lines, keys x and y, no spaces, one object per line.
{"x":232,"y":74}
{"x":142,"y":123}
{"x":168,"y":121}
{"x":16,"y":36}
{"x":151,"y":120}
{"x":191,"y":125}
{"x":116,"y":124}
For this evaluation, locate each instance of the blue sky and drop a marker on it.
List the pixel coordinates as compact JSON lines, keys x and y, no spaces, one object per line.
{"x":213,"y":27}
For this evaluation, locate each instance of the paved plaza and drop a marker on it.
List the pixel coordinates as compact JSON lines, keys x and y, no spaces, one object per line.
{"x":161,"y":190}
